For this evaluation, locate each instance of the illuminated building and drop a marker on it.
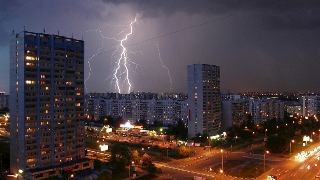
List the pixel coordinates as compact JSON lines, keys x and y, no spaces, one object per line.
{"x":263,"y":110}
{"x":234,"y":112}
{"x":310,"y":105}
{"x":3,"y":100}
{"x":46,"y":105}
{"x":204,"y":99}
{"x":164,"y":109}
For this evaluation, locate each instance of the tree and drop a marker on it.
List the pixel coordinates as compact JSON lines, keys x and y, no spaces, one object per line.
{"x":148,"y":164}
{"x":105,"y":175}
{"x":119,"y":157}
{"x":184,"y":151}
{"x":277,"y":144}
{"x":146,"y":159}
{"x":134,"y":155}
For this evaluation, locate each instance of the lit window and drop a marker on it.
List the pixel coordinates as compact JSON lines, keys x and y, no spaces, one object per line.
{"x":31,"y":58}
{"x":30,"y":82}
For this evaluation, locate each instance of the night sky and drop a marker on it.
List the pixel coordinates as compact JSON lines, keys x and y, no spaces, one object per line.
{"x":271,"y":45}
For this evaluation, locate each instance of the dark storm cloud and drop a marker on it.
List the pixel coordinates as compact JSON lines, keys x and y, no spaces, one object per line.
{"x":269,"y":45}
{"x":287,"y":14}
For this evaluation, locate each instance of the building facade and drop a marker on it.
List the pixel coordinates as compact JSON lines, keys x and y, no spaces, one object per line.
{"x":204,"y":100}
{"x":163,"y":109}
{"x":4,"y":100}
{"x":234,"y":112}
{"x":46,"y":105}
{"x":263,"y":110}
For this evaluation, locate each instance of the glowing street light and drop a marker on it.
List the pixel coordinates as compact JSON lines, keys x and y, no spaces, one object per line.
{"x":264,"y":166}
{"x":221,"y":161}
{"x":130,"y":167}
{"x":71,"y":176}
{"x":292,"y":141}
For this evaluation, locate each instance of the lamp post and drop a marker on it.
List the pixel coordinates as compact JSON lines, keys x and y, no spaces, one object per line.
{"x":277,"y":130}
{"x":167,"y":152}
{"x":222,"y":160}
{"x":265,"y":135}
{"x":189,"y":151}
{"x":292,"y":141}
{"x":71,"y":176}
{"x":264,"y":164}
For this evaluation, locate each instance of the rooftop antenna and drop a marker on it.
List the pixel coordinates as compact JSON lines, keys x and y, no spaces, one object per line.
{"x":44,"y":30}
{"x":24,"y":28}
{"x":12,"y":32}
{"x":72,"y":35}
{"x":58,"y":32}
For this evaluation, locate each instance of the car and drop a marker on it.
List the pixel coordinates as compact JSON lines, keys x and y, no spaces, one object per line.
{"x":143,"y":141}
{"x":106,"y":157}
{"x":272,"y":177}
{"x":93,"y":155}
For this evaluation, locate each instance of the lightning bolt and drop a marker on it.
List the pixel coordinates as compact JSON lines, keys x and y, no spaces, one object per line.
{"x":123,"y":61}
{"x":120,"y":75}
{"x":168,"y":71}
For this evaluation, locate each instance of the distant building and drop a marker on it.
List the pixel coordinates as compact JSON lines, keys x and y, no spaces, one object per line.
{"x":310,"y":105}
{"x":263,"y":110}
{"x":204,"y":100}
{"x":165,"y":108}
{"x":46,"y":105}
{"x":234,"y":112}
{"x":4,"y":100}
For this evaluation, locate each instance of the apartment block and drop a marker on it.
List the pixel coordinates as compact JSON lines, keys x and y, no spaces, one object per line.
{"x":234,"y":112}
{"x":204,"y":100}
{"x":46,"y":105}
{"x":166,"y":109}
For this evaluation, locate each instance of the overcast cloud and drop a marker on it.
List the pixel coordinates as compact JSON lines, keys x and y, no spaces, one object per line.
{"x":259,"y":45}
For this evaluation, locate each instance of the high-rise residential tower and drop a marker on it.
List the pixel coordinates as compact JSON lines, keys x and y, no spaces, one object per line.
{"x":204,"y":100}
{"x":46,"y":105}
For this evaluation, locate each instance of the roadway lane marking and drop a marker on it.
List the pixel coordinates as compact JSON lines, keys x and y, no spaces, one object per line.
{"x":179,"y":169}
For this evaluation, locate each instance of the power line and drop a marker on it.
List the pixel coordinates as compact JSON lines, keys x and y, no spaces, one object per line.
{"x":13,"y":10}
{"x":9,"y":15}
{"x":191,"y":27}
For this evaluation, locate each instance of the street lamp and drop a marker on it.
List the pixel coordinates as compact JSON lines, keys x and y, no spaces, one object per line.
{"x":265,"y":133}
{"x":130,"y":167}
{"x":277,"y":130}
{"x":312,"y":134}
{"x":292,"y":141}
{"x":221,"y":160}
{"x":71,"y":176}
{"x":167,"y":152}
{"x":264,"y":164}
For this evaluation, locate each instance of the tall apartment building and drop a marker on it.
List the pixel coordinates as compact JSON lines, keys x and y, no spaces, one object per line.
{"x":46,"y":105}
{"x":204,"y":99}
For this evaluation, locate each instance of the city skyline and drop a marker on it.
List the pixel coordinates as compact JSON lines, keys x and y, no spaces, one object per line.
{"x":269,"y":46}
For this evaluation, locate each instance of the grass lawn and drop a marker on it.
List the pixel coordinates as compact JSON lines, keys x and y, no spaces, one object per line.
{"x":249,"y":170}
